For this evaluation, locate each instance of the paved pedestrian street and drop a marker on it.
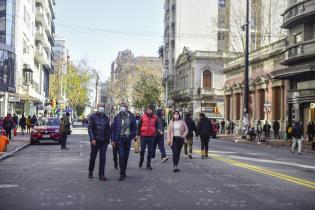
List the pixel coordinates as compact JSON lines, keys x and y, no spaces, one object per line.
{"x":235,"y":176}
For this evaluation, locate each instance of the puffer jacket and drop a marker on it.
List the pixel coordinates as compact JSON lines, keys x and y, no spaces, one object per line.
{"x":116,"y":127}
{"x":99,"y":128}
{"x":204,"y":127}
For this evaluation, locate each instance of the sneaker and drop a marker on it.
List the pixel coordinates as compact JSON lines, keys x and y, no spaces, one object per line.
{"x":164,"y":159}
{"x":116,"y":167}
{"x":65,"y":148}
{"x":291,"y":151}
{"x":299,"y":153}
{"x":140,"y":165}
{"x":186,"y":156}
{"x":152,"y":159}
{"x":202,"y":157}
{"x":190,"y":156}
{"x":149,"y":168}
{"x":90,"y":175}
{"x":102,"y":178}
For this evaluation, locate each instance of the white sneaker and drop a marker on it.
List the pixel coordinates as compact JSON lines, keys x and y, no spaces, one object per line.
{"x":152,"y":159}
{"x":186,"y":156}
{"x":164,"y":159}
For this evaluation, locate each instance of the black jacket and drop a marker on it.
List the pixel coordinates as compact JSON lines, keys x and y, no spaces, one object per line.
{"x":204,"y":127}
{"x":99,"y":128}
{"x":276,"y":126}
{"x":191,"y":127}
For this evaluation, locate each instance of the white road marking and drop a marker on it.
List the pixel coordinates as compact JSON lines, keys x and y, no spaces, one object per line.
{"x":272,"y":161}
{"x":6,"y":186}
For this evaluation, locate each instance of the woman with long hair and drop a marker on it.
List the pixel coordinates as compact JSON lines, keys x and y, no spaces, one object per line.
{"x":176,"y":134}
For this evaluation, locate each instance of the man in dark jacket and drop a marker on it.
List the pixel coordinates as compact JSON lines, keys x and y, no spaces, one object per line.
{"x":23,"y":124}
{"x":64,"y":130}
{"x":159,"y":138}
{"x":189,"y":138}
{"x":297,"y":135}
{"x":8,"y":125}
{"x":204,"y":130}
{"x":147,"y":129}
{"x":276,"y":127}
{"x":310,"y":131}
{"x":266,"y":129}
{"x":99,"y":133}
{"x":222,"y":126}
{"x":123,"y":130}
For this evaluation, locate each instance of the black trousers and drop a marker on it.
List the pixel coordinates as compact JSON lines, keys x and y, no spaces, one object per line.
{"x":204,"y":145}
{"x":115,"y":155}
{"x":63,"y":139}
{"x":276,"y":134}
{"x":124,"y":151}
{"x":8,"y":133}
{"x":102,"y":147}
{"x":177,"y":146}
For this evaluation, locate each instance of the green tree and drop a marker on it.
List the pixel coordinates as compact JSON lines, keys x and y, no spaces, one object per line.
{"x":148,"y":86}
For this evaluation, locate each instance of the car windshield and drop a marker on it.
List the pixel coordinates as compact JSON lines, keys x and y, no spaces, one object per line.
{"x":47,"y":122}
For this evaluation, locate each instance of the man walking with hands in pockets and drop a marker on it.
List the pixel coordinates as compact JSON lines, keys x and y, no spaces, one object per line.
{"x":99,"y":132}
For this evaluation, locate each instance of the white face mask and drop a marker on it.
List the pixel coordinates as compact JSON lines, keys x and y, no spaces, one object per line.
{"x":123,"y":109}
{"x":101,"y":109}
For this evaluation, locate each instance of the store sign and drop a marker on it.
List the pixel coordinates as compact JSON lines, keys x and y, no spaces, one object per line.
{"x":14,"y":99}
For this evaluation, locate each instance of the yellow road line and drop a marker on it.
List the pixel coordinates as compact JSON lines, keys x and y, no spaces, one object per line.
{"x":261,"y":170}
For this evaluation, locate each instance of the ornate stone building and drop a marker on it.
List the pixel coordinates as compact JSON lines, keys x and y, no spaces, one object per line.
{"x":264,"y":89}
{"x":198,"y":83}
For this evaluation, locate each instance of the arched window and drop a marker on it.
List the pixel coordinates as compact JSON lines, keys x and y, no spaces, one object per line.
{"x":207,"y":79}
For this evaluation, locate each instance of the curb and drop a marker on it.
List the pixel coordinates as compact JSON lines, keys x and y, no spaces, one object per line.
{"x":11,"y":153}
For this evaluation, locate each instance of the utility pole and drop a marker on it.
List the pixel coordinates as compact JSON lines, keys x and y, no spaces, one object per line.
{"x":246,"y":80}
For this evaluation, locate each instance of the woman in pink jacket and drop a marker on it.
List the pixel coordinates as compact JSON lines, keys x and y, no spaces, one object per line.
{"x":176,"y":134}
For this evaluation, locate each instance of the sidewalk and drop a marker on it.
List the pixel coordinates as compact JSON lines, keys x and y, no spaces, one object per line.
{"x":306,"y":145}
{"x":16,"y":144}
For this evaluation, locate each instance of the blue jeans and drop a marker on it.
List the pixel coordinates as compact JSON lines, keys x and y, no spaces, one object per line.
{"x":146,"y":141}
{"x":159,"y":141}
{"x":124,"y":145}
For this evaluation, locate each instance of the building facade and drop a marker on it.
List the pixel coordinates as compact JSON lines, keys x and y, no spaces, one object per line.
{"x":299,"y":19}
{"x":61,"y":59}
{"x":7,"y":56}
{"x":264,"y":88}
{"x":123,"y":72}
{"x":199,"y":82}
{"x":34,"y":41}
{"x":192,"y":24}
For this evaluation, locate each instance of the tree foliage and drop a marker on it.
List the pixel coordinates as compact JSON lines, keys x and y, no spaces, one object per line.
{"x":148,"y":87}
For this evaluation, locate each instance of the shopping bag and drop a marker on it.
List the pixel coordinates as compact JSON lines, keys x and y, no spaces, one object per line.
{"x":14,"y":132}
{"x":136,"y":145}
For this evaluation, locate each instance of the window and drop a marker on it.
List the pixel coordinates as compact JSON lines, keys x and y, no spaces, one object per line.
{"x":222,"y":3}
{"x":298,"y":38}
{"x":220,"y":36}
{"x":207,"y":79}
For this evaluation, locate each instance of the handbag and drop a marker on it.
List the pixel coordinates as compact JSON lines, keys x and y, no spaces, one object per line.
{"x":136,"y":145}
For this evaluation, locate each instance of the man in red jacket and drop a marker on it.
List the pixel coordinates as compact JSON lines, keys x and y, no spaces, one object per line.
{"x":147,"y":128}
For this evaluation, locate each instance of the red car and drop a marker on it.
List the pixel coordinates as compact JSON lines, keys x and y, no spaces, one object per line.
{"x":46,"y":129}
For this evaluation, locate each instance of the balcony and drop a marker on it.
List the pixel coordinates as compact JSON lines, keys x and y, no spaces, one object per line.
{"x":205,"y":92}
{"x":42,"y":18}
{"x":300,"y":51}
{"x":41,"y":36}
{"x":300,"y":12}
{"x":41,"y":55}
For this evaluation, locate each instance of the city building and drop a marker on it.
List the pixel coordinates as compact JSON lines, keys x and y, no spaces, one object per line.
{"x":7,"y":56}
{"x":61,"y":59}
{"x":34,"y":57}
{"x":199,"y":83}
{"x":123,"y":72}
{"x":265,"y":90}
{"x":299,"y":19}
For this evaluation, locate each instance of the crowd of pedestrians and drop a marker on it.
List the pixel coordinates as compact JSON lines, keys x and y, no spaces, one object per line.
{"x":148,"y":128}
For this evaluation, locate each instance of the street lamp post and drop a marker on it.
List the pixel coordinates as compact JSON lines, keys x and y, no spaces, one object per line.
{"x":246,"y":80}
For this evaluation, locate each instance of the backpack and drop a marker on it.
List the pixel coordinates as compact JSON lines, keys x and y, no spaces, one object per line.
{"x":290,"y":130}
